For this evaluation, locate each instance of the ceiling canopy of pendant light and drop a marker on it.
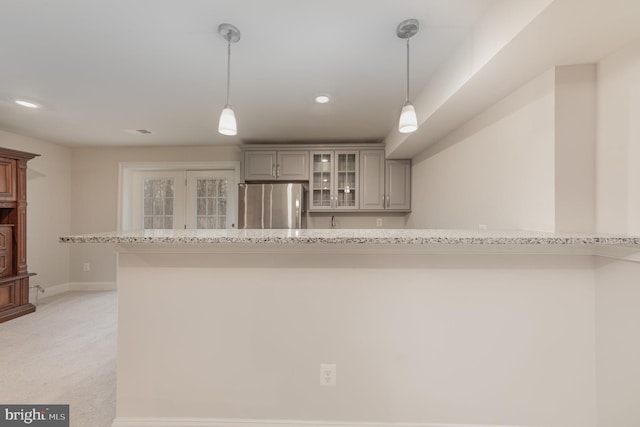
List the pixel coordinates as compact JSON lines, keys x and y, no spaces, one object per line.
{"x":408,"y":120}
{"x":227,"y":124}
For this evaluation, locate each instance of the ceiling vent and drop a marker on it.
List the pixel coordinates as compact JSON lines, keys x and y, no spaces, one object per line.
{"x":138,"y":131}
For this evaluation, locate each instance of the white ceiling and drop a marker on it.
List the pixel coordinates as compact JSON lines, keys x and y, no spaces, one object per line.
{"x":102,"y":67}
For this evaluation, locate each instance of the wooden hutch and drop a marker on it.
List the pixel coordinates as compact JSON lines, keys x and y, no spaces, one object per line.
{"x":14,"y":275}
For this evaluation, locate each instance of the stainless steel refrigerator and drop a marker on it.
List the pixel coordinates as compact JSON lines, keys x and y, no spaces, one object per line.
{"x":272,"y":205}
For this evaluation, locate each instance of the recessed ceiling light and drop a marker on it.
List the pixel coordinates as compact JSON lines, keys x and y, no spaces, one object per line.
{"x":322,"y":99}
{"x":26,"y":103}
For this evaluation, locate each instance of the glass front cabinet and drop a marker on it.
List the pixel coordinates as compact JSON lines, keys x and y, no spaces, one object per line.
{"x":334,"y":180}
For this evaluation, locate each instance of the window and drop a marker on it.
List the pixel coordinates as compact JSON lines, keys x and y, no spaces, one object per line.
{"x":173,"y":199}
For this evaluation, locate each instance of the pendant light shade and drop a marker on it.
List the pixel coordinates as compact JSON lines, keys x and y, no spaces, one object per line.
{"x":227,"y":123}
{"x":408,"y":120}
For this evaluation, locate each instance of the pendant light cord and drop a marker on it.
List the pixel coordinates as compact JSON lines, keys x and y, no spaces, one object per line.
{"x":407,"y":68}
{"x":228,"y":66}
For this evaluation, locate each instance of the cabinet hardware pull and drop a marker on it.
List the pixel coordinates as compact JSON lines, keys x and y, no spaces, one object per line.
{"x":273,"y":170}
{"x":277,"y":171}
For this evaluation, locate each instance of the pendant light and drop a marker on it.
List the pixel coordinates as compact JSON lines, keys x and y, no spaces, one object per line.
{"x":408,"y":120}
{"x":227,"y":123}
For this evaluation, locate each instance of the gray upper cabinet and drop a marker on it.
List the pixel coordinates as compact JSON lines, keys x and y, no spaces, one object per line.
{"x":372,"y":179}
{"x":353,"y":178}
{"x":334,"y":180}
{"x":398,"y":185}
{"x":276,"y":165}
{"x":384,"y":184}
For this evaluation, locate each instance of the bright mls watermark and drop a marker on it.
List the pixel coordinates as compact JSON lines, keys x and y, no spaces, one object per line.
{"x":34,"y":415}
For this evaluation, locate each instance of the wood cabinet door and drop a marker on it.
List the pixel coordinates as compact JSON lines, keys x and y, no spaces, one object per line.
{"x":6,"y":246}
{"x":7,"y":179}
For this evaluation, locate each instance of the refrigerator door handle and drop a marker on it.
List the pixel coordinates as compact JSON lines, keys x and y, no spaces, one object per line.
{"x":297,"y":212}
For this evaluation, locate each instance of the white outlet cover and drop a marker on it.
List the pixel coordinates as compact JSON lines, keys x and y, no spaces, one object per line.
{"x":328,"y":374}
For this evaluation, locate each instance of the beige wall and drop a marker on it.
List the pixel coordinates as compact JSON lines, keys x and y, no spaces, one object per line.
{"x":449,"y":339}
{"x":618,"y":211}
{"x":575,"y":147}
{"x":496,"y":170}
{"x":361,"y":220}
{"x":618,"y":346}
{"x":527,"y":163}
{"x":48,"y":212}
{"x":570,"y":140}
{"x":618,"y":147}
{"x":94,"y":207}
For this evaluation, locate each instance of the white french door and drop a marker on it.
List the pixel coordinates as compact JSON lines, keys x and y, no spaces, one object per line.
{"x":210,"y":199}
{"x":176,"y":199}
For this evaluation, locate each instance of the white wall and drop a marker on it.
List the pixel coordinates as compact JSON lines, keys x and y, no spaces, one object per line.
{"x":496,"y":170}
{"x":618,"y":144}
{"x":48,"y":211}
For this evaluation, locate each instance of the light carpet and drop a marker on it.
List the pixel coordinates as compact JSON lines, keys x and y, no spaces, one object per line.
{"x":64,"y":353}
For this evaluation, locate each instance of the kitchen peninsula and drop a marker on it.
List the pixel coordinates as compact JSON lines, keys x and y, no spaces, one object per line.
{"x":231,"y":327}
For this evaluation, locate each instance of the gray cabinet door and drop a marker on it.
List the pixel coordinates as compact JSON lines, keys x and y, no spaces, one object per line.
{"x":321,"y":183}
{"x":398,"y":185}
{"x":292,"y":166}
{"x":259,"y":165}
{"x":346,"y":181}
{"x":276,"y":165}
{"x":372,"y":179}
{"x":334,"y":180}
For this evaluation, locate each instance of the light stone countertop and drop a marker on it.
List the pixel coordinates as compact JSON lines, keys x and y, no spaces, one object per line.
{"x":354,"y":237}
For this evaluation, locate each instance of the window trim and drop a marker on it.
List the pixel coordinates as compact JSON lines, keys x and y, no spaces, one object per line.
{"x":127,"y":169}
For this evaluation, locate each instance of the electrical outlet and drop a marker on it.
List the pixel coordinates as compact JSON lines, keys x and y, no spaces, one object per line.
{"x":378,"y":222}
{"x":482,"y":227}
{"x":86,"y":267}
{"x":328,"y":374}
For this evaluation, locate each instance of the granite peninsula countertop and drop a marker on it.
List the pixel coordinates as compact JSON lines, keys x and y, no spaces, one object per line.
{"x":354,"y":237}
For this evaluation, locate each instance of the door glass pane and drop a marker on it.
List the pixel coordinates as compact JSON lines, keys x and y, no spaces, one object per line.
{"x":347,"y":180}
{"x":158,"y":203}
{"x":211,"y":203}
{"x":321,"y":180}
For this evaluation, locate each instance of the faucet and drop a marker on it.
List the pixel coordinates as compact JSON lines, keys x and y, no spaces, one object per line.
{"x":333,"y":222}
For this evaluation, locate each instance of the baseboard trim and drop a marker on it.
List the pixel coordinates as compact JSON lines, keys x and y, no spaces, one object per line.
{"x":77,"y":286}
{"x":92,"y":286}
{"x":232,"y":422}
